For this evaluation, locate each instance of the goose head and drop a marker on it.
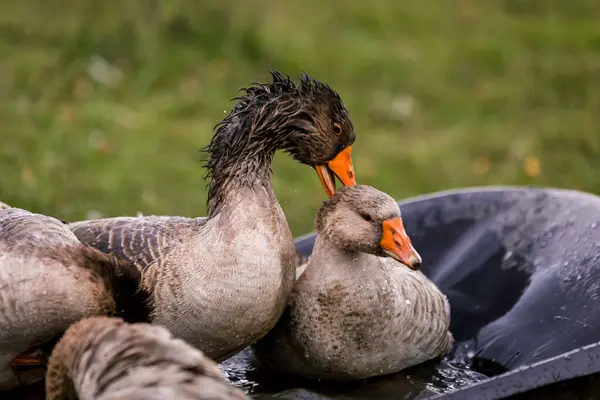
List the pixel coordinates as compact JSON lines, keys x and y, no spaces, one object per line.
{"x":362,"y":218}
{"x":308,"y":120}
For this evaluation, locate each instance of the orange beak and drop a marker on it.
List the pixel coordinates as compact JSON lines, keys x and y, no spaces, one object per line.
{"x":340,"y":166}
{"x":396,"y":244}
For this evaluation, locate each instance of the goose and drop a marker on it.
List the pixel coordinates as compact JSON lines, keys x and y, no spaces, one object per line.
{"x":221,"y":282}
{"x":49,"y":280}
{"x":102,"y":358}
{"x":361,"y":308}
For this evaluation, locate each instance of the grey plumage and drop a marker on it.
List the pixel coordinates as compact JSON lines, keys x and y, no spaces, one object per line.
{"x":103,"y":358}
{"x":218,"y":283}
{"x":142,"y":240}
{"x":354,"y":314}
{"x":48,"y":280}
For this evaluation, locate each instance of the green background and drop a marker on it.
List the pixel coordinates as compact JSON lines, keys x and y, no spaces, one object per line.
{"x":104,"y":105}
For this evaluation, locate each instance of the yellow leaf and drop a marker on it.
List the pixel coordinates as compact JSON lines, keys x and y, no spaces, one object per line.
{"x":532,"y":166}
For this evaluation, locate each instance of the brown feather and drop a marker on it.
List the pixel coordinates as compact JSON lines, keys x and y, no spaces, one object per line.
{"x":102,"y":358}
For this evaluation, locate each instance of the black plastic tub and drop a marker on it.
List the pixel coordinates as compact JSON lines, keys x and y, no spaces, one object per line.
{"x":571,"y":375}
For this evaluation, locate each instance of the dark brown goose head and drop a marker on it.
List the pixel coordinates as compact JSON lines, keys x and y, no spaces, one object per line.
{"x":307,"y":120}
{"x":362,"y":218}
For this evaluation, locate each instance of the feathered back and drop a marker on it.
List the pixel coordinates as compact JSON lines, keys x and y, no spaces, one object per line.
{"x":21,"y":230}
{"x":36,"y":236}
{"x":101,"y":358}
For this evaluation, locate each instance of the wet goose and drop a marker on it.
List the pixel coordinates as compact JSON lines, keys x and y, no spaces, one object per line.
{"x":361,"y":308}
{"x":104,"y":358}
{"x":222,"y":282}
{"x":49,"y":280}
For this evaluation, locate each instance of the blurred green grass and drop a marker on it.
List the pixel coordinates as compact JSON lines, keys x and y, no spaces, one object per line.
{"x":105,"y":104}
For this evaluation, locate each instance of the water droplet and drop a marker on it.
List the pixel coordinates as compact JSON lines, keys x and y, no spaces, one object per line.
{"x":407,"y":301}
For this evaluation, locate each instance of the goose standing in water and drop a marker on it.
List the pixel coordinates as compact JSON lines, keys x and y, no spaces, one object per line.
{"x":361,"y":308}
{"x":106,"y":358}
{"x":222,"y":282}
{"x":49,"y":280}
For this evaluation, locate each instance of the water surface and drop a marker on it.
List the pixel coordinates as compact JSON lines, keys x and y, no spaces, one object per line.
{"x":437,"y":376}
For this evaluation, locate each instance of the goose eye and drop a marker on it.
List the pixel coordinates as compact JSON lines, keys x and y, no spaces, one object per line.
{"x":337,"y":129}
{"x":366,"y":217}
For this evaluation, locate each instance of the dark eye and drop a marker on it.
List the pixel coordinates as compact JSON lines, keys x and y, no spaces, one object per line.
{"x":366,"y":217}
{"x":337,"y":129}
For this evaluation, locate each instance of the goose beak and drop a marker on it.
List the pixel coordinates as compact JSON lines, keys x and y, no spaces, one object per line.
{"x":341,"y":166}
{"x":397,"y":245}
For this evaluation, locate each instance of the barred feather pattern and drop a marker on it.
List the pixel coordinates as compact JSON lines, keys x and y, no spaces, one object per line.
{"x":105,"y":358}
